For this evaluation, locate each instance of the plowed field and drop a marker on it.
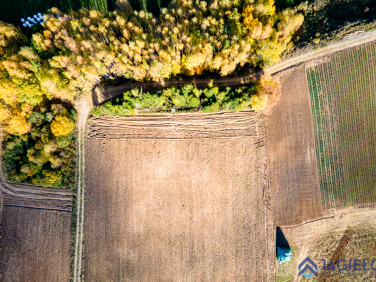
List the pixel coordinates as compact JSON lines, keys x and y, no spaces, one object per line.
{"x":343,"y":104}
{"x":294,"y":181}
{"x":35,"y":243}
{"x":180,"y":198}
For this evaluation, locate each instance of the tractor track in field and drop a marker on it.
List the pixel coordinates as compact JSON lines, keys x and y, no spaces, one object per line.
{"x":84,"y":107}
{"x":179,"y":126}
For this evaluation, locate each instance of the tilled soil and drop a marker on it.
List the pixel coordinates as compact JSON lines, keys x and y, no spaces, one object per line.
{"x":48,"y":204}
{"x":35,"y":244}
{"x":193,"y":126}
{"x":294,"y":182}
{"x":177,"y":198}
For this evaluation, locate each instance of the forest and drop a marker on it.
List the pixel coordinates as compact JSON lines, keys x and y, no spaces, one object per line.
{"x":46,"y":67}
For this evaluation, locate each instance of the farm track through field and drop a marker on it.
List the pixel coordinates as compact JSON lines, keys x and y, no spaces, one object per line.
{"x":84,"y":106}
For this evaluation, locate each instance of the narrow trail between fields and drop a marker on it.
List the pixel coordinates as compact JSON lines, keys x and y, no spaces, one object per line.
{"x":343,"y":44}
{"x":83,"y":107}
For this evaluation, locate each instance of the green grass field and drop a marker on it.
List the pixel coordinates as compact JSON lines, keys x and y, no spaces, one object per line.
{"x":343,"y":103}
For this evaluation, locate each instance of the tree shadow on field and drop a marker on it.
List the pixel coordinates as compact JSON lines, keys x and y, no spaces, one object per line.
{"x":281,"y":240}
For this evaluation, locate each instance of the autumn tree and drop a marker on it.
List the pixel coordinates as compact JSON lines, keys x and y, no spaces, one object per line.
{"x":188,"y":38}
{"x":62,"y":125}
{"x":268,"y":94}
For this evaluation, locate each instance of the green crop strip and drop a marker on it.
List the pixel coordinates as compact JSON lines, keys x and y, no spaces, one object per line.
{"x":343,"y":108}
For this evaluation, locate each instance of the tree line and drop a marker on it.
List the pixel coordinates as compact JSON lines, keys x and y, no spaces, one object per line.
{"x":71,"y":53}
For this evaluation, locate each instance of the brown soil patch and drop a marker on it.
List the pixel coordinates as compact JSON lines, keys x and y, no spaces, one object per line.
{"x":294,"y":179}
{"x":35,"y":243}
{"x":177,"y":198}
{"x":346,"y":234}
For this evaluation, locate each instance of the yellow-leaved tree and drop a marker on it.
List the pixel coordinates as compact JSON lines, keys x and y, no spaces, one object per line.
{"x":62,"y":125}
{"x":18,"y":125}
{"x":268,"y":95}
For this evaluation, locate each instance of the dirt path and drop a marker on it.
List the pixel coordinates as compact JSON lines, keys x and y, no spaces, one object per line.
{"x":348,"y":42}
{"x":107,"y":92}
{"x":83,"y":106}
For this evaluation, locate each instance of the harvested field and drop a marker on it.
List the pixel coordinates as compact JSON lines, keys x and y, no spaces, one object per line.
{"x":344,"y":234}
{"x":293,"y":172}
{"x":35,"y":242}
{"x":343,"y":105}
{"x":177,"y":198}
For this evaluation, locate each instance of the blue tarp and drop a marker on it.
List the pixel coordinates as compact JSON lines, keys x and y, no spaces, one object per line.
{"x":283,"y":254}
